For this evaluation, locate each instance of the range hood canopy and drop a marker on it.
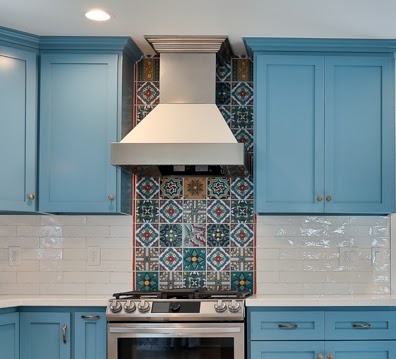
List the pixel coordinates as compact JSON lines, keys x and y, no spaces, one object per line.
{"x":186,"y":133}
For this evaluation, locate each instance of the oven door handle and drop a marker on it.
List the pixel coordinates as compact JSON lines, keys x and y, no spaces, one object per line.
{"x":176,"y":331}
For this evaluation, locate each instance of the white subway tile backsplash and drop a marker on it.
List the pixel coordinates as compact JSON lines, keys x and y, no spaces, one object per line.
{"x":110,"y":221}
{"x":112,"y":266}
{"x":63,"y":288}
{"x":8,"y":231}
{"x":110,"y":242}
{"x":37,"y":277}
{"x":63,"y":266}
{"x":86,"y":277}
{"x":107,"y":288}
{"x":63,"y":220}
{"x":16,"y":220}
{"x":63,"y":242}
{"x":108,"y":254}
{"x":86,"y":231}
{"x":120,"y":277}
{"x":121,"y":231}
{"x":23,"y":242}
{"x":42,"y":254}
{"x":8,"y":277}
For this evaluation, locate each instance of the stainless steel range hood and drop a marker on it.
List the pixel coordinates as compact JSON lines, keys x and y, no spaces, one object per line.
{"x":185,"y":134}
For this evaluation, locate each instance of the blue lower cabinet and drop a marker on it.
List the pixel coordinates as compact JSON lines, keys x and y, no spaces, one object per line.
{"x":361,"y":349}
{"x":45,"y":335}
{"x":9,"y":336}
{"x":89,"y":335}
{"x":287,"y":350}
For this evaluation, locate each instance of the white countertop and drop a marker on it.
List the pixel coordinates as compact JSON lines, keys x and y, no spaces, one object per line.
{"x":321,"y":300}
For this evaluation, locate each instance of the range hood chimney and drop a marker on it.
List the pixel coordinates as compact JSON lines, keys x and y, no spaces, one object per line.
{"x":186,"y":134}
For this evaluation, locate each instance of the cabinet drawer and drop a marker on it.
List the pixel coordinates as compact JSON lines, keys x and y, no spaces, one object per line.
{"x":360,"y":325}
{"x":279,"y":325}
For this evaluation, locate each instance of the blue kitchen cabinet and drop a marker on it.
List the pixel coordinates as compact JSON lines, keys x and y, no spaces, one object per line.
{"x":18,"y":123}
{"x":85,"y":105}
{"x":90,"y":335}
{"x":287,"y":350}
{"x":9,"y":335}
{"x":324,"y":127}
{"x":45,"y":335}
{"x":361,"y":350}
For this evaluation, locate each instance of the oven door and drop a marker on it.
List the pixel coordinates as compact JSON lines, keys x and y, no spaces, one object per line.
{"x":175,"y":340}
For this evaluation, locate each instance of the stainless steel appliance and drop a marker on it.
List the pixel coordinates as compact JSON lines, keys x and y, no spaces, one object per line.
{"x":175,"y":324}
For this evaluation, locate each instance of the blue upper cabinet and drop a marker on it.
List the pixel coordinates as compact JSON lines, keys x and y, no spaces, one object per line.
{"x":85,"y":104}
{"x":324,"y":126}
{"x":18,"y":123}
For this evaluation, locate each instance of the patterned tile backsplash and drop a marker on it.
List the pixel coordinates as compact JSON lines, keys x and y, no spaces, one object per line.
{"x":196,"y":231}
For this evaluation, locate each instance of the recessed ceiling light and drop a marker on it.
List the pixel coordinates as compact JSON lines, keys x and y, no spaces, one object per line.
{"x":97,"y":15}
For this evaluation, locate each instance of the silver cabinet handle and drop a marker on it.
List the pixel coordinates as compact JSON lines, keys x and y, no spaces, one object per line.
{"x":93,"y":317}
{"x":287,"y":326}
{"x":64,"y":328}
{"x":361,"y":325}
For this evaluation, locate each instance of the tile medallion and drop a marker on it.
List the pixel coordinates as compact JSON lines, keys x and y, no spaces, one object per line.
{"x":148,"y":69}
{"x":171,"y":211}
{"x":218,"y":188}
{"x":194,"y":188}
{"x":142,"y":112}
{"x":171,"y":259}
{"x":171,"y":235}
{"x":147,"y":235}
{"x":242,"y":280}
{"x":223,"y":69}
{"x":218,"y":235}
{"x":147,"y":259}
{"x":194,"y":279}
{"x":218,"y":211}
{"x":194,"y":259}
{"x":242,"y":70}
{"x":147,"y":93}
{"x":170,"y":280}
{"x":242,"y":117}
{"x":218,"y":280}
{"x":194,"y":211}
{"x":242,"y":211}
{"x":242,"y":93}
{"x":242,"y":259}
{"x":223,"y":93}
{"x":147,"y":188}
{"x":226,"y":112}
{"x":194,"y":235}
{"x":146,"y":281}
{"x":242,"y":188}
{"x":218,"y":259}
{"x":245,"y":136}
{"x":147,"y":211}
{"x":171,"y":188}
{"x":242,"y":235}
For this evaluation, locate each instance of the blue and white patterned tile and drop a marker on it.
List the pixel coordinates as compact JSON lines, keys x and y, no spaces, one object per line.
{"x":242,"y":280}
{"x":171,"y":235}
{"x":146,"y":259}
{"x":147,"y":188}
{"x":194,"y":259}
{"x":242,"y":259}
{"x":171,"y":259}
{"x":218,"y":280}
{"x":223,"y":93}
{"x":242,"y":235}
{"x":147,"y":211}
{"x":242,"y":117}
{"x":147,"y":93}
{"x":170,"y":280}
{"x":245,"y":136}
{"x":194,"y":188}
{"x":194,"y":235}
{"x":223,"y":69}
{"x":242,"y":188}
{"x":218,"y":211}
{"x":194,"y":279}
{"x":218,"y":259}
{"x":194,"y":211}
{"x":171,"y":188}
{"x":147,"y":235}
{"x":218,"y":235}
{"x":146,"y":281}
{"x":242,"y":211}
{"x":218,"y":187}
{"x":242,"y":93}
{"x":171,"y":211}
{"x":226,"y":112}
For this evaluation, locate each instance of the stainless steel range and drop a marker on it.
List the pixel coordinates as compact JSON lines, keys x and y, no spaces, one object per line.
{"x":180,"y":323}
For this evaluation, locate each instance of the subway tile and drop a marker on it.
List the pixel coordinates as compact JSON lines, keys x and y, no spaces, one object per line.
{"x":121,"y":277}
{"x":8,"y":277}
{"x":303,"y":277}
{"x":109,"y":220}
{"x":108,"y":254}
{"x":275,"y":265}
{"x":86,"y":231}
{"x":110,"y":242}
{"x":17,"y":220}
{"x":63,"y":220}
{"x":23,"y":242}
{"x":70,"y":254}
{"x":86,"y":277}
{"x":63,"y":288}
{"x":18,"y":288}
{"x":108,"y":289}
{"x":26,"y":266}
{"x":8,"y":231}
{"x":42,"y":254}
{"x":26,"y":231}
{"x":63,"y":266}
{"x":62,"y":242}
{"x":40,"y":277}
{"x":280,"y":288}
{"x":121,"y":231}
{"x":267,"y":277}
{"x":111,"y":266}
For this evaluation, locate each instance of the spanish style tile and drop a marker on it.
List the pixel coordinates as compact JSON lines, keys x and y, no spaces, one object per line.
{"x":147,"y":211}
{"x":146,"y":281}
{"x":194,"y":259}
{"x":218,"y":211}
{"x":218,"y":259}
{"x":242,"y":117}
{"x":242,"y":235}
{"x":245,"y":136}
{"x":226,"y":112}
{"x":170,"y":280}
{"x":147,"y":188}
{"x":171,"y":188}
{"x":194,"y":279}
{"x":242,"y":280}
{"x":171,"y":235}
{"x":218,"y":280}
{"x":194,"y":188}
{"x":194,"y":211}
{"x":218,"y":235}
{"x":242,"y":259}
{"x":242,"y":211}
{"x":147,"y":93}
{"x":218,"y":187}
{"x":223,"y":69}
{"x":242,"y":188}
{"x":148,"y":69}
{"x":194,"y":235}
{"x":171,"y":211}
{"x":242,"y":93}
{"x":242,"y":70}
{"x":142,"y":112}
{"x":223,"y":93}
{"x":147,"y":259}
{"x":171,"y":259}
{"x":147,"y":235}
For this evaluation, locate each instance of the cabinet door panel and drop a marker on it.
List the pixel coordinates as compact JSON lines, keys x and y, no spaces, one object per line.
{"x":359,"y":135}
{"x":9,"y":335}
{"x":289,"y":159}
{"x":362,"y":349}
{"x":286,"y":350}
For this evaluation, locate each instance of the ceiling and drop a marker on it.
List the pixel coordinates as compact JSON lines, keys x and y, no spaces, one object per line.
{"x":265,"y":18}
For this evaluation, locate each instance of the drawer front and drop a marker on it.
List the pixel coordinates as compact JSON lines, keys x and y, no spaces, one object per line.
{"x":279,"y":325}
{"x":360,"y":325}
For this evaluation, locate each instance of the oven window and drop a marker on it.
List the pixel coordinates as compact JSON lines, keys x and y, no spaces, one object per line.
{"x":175,"y":348}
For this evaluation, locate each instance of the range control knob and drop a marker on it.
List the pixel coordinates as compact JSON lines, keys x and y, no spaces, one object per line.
{"x":175,"y":307}
{"x":115,"y":306}
{"x":220,"y":307}
{"x":129,"y":306}
{"x":143,"y":306}
{"x":234,"y":307}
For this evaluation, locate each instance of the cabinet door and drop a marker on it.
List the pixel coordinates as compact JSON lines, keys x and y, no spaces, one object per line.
{"x":286,"y":350}
{"x":359,"y":134}
{"x":45,"y":335}
{"x":289,"y":134}
{"x":78,"y":123}
{"x":18,"y":122}
{"x":361,"y":349}
{"x":9,"y":335}
{"x":90,"y":335}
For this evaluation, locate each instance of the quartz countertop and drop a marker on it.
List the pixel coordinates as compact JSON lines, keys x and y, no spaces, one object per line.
{"x":321,"y":300}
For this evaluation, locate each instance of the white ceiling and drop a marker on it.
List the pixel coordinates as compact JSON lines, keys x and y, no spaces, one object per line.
{"x":266,"y":18}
